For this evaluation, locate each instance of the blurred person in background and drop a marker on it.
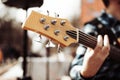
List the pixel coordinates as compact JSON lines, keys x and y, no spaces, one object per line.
{"x":95,"y":64}
{"x":8,"y":54}
{"x":11,"y":37}
{"x":8,"y":59}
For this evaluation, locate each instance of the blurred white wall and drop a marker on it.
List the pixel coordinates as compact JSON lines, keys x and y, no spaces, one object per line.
{"x":12,"y":13}
{"x":65,"y":8}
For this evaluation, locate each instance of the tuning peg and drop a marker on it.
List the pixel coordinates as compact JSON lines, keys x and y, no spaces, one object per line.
{"x":56,"y":32}
{"x":40,"y":37}
{"x":42,"y":20}
{"x":38,"y":40}
{"x":59,"y":48}
{"x":48,"y":43}
{"x":46,"y":27}
{"x":53,"y":22}
{"x":48,"y":12}
{"x":66,"y":38}
{"x":56,"y":15}
{"x":63,"y":22}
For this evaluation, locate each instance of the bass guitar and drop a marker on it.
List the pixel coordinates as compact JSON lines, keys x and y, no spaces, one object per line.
{"x":61,"y":31}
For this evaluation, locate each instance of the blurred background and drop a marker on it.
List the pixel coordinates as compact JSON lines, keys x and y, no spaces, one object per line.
{"x":43,"y":60}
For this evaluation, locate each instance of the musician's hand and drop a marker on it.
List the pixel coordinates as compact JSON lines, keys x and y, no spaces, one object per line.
{"x":93,"y":59}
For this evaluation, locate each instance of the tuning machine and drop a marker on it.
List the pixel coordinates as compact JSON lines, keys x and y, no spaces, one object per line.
{"x":53,"y":22}
{"x":56,"y":32}
{"x":42,"y":20}
{"x":66,"y":38}
{"x":46,"y":27}
{"x":62,"y":22}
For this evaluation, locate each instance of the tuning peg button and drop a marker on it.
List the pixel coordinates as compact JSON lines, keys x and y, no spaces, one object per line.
{"x":66,"y":38}
{"x":63,"y":22}
{"x":42,"y":20}
{"x":53,"y":22}
{"x":46,"y":27}
{"x":56,"y":32}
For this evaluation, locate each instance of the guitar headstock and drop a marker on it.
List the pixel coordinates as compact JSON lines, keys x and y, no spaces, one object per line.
{"x":53,"y":28}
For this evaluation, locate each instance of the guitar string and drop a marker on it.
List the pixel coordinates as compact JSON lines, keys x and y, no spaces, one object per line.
{"x":92,"y":37}
{"x":77,"y":31}
{"x":95,"y":39}
{"x":85,"y":41}
{"x":88,"y":42}
{"x":89,"y":37}
{"x":112,"y":51}
{"x":84,"y":36}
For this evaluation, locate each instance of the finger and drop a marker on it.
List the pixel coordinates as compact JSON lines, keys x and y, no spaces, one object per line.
{"x":99,"y":44}
{"x":106,"y":41}
{"x":106,"y":47}
{"x":99,"y":40}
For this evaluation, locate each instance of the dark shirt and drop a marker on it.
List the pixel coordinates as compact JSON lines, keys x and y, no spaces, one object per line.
{"x":110,"y":70}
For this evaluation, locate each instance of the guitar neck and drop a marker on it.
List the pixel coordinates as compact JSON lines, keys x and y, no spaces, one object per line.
{"x":83,"y":38}
{"x":91,"y":42}
{"x":58,"y":30}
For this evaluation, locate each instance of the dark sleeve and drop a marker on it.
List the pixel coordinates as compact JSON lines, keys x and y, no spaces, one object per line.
{"x":90,"y":29}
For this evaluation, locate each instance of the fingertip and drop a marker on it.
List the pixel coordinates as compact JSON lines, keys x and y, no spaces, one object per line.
{"x":99,"y":40}
{"x":106,"y":40}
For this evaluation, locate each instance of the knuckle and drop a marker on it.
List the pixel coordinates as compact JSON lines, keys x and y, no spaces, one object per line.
{"x":99,"y":47}
{"x":106,"y":48}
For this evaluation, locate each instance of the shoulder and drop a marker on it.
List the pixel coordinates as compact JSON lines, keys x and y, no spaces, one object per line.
{"x":93,"y":24}
{"x":91,"y":27}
